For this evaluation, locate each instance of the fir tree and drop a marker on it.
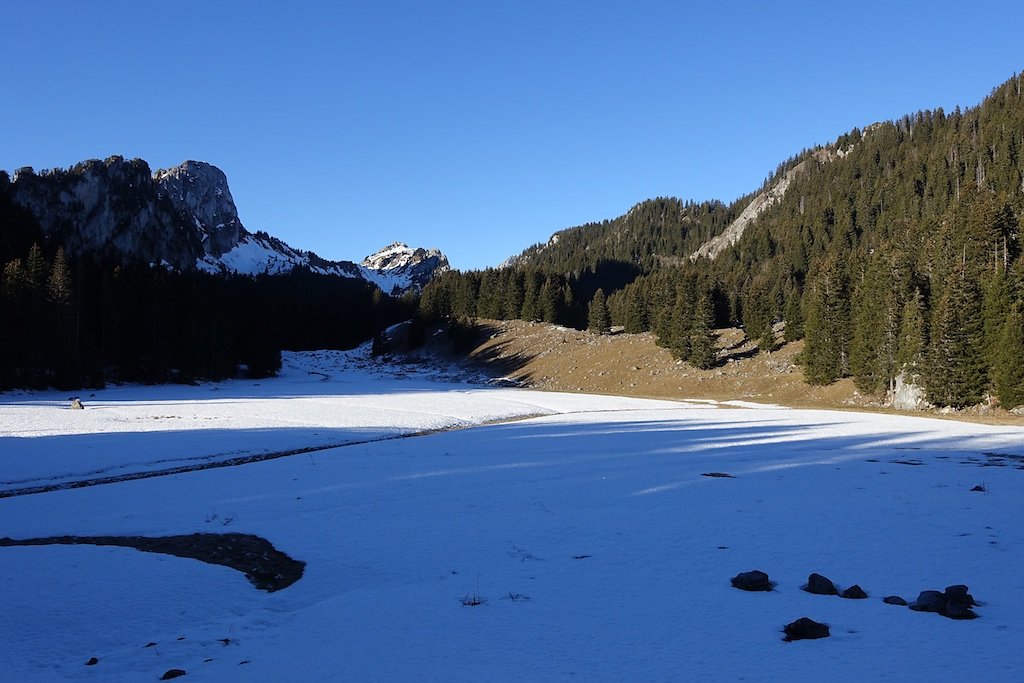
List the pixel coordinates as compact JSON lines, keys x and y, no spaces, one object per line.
{"x":827,"y":309}
{"x":599,"y":320}
{"x":955,"y":375}
{"x":913,"y":340}
{"x":794,"y":317}
{"x":702,"y":353}
{"x":1009,"y":368}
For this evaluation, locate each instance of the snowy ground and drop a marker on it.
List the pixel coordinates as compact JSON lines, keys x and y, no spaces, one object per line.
{"x":597,"y":547}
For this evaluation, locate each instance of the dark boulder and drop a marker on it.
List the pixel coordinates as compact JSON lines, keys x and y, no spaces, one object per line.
{"x":959,"y":603}
{"x":854,"y":592}
{"x":894,"y":600}
{"x":172,"y":673}
{"x":752,"y":581}
{"x":929,"y":601}
{"x":959,"y":594}
{"x":805,"y":629}
{"x":954,"y":603}
{"x":819,"y":585}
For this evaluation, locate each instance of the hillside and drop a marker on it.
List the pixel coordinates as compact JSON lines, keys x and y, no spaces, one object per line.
{"x":556,"y":358}
{"x":894,"y":252}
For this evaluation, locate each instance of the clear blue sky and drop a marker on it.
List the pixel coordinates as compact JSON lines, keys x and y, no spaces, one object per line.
{"x":477,"y":127}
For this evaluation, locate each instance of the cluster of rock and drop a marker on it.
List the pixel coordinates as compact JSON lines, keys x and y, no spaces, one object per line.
{"x":820,"y":585}
{"x":955,"y":602}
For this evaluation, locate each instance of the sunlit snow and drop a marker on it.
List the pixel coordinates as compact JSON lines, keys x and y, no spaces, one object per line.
{"x":592,"y":538}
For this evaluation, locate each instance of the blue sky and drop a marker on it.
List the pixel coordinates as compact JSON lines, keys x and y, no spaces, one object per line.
{"x":476,"y":127}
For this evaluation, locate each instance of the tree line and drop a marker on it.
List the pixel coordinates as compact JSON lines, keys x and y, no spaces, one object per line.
{"x":80,"y":323}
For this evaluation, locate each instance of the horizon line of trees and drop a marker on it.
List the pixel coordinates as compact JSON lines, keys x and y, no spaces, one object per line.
{"x":81,"y":323}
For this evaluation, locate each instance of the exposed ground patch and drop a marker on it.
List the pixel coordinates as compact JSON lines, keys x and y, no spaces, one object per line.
{"x":266,"y":567}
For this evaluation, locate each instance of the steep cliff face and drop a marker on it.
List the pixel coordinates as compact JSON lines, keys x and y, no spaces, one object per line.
{"x":185,"y":218}
{"x":398,"y":268}
{"x":111,"y":208}
{"x":199,"y":194}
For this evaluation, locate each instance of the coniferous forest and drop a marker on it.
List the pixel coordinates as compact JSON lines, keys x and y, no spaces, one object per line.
{"x":894,"y":252}
{"x":83,"y":322}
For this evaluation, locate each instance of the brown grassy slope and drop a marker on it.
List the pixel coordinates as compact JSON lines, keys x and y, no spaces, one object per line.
{"x":554,"y":358}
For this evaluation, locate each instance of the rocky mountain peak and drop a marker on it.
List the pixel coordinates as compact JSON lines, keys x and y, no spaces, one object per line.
{"x":199,"y":193}
{"x":399,"y":267}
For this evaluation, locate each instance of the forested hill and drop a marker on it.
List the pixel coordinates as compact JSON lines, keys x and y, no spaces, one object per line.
{"x":895,"y":251}
{"x":653,"y":232}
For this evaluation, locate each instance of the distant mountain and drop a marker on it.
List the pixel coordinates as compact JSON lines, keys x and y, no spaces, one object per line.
{"x":183,"y":218}
{"x":399,"y":268}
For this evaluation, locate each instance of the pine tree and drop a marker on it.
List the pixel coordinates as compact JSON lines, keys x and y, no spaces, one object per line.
{"x":827,"y":310}
{"x":995,"y":309}
{"x":599,"y":320}
{"x":58,"y":290}
{"x":913,"y":340}
{"x":794,"y":317}
{"x":1009,"y":368}
{"x":702,"y":335}
{"x":635,"y":319}
{"x":956,"y":370}
{"x":678,"y":341}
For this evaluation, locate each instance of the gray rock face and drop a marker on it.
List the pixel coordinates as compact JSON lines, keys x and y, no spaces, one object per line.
{"x":906,"y":395}
{"x":199,"y":194}
{"x":110,"y":208}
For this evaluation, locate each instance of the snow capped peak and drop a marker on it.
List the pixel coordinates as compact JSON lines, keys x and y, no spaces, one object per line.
{"x":400,"y":255}
{"x":398,"y":267}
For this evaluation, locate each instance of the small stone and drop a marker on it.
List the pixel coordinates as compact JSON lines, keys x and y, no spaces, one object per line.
{"x":172,"y":673}
{"x":894,"y":600}
{"x":752,"y":581}
{"x":979,"y":487}
{"x":854,"y":592}
{"x":76,"y":404}
{"x":819,"y":585}
{"x":92,"y":661}
{"x":805,"y":629}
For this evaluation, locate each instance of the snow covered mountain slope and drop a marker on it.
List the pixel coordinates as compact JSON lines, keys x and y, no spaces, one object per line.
{"x":399,"y":268}
{"x":185,"y":218}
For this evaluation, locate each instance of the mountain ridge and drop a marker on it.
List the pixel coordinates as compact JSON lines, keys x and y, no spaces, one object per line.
{"x":184,"y":218}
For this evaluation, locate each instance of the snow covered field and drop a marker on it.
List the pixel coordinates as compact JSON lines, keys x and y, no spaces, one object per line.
{"x":597,"y":548}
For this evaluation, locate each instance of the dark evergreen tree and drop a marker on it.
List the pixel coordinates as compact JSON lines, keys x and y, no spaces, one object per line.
{"x":794,"y":317}
{"x":1009,"y":368}
{"x":702,"y":351}
{"x":827,"y":309}
{"x":956,"y":373}
{"x":599,"y":320}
